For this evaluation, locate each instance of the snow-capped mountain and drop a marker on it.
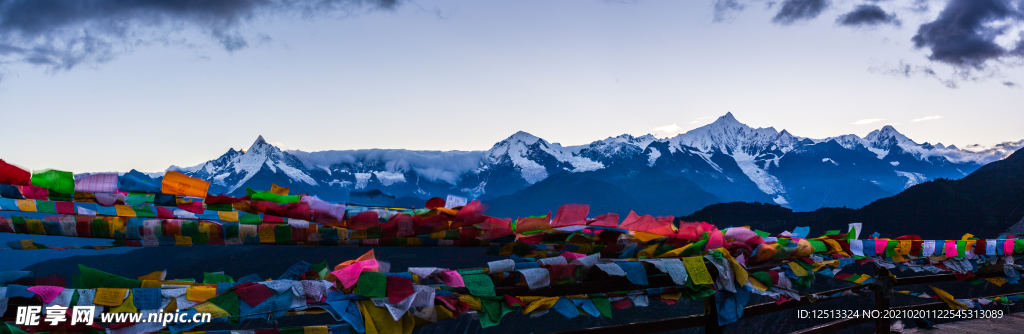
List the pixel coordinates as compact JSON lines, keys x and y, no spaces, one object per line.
{"x":726,"y":158}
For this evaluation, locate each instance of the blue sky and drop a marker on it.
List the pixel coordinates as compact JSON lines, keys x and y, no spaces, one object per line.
{"x":148,"y":87}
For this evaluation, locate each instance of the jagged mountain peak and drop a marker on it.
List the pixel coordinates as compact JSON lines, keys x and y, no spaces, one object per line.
{"x":886,"y":137}
{"x":524,"y":137}
{"x":262,"y":146}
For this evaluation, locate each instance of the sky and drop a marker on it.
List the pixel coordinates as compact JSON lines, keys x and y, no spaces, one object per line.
{"x":102,"y":85}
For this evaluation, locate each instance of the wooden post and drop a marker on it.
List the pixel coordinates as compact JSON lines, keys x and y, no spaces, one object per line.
{"x":711,"y":325}
{"x":881,"y":300}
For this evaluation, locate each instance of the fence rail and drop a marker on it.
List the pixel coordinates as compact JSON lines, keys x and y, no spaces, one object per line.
{"x":709,"y":319}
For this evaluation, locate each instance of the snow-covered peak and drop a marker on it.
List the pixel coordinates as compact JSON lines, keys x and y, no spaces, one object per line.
{"x":886,"y":137}
{"x":261,"y":146}
{"x":728,"y":135}
{"x":525,"y":137}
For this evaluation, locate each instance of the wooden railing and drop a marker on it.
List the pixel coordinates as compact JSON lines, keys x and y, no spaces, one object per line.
{"x":709,"y":319}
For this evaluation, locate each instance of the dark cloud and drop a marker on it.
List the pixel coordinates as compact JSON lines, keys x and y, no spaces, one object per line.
{"x":725,"y":8}
{"x":906,"y":70}
{"x":61,"y":34}
{"x":798,"y":10}
{"x":964,"y":33}
{"x":867,"y":15}
{"x":1010,"y":84}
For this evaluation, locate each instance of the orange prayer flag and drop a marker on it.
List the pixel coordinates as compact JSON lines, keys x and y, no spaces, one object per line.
{"x":275,"y":189}
{"x":176,"y":183}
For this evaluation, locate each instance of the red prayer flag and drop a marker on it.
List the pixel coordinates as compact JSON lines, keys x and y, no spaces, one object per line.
{"x":571,"y":214}
{"x":11,"y":174}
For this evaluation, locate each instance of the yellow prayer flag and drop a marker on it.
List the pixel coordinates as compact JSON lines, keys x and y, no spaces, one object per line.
{"x":378,"y":320}
{"x":110,"y":297}
{"x":315,"y":330}
{"x":182,"y":241}
{"x":998,"y":281}
{"x":230,"y":216}
{"x":214,"y":310}
{"x":156,"y":275}
{"x":35,"y":226}
{"x":946,"y":297}
{"x":540,"y":304}
{"x":27,"y":244}
{"x":128,"y":306}
{"x":26,"y":205}
{"x":646,"y":236}
{"x":200,"y":293}
{"x":698,"y":271}
{"x":738,"y":270}
{"x":675,"y":252}
{"x":647,"y":252}
{"x":797,"y":269}
{"x":267,"y":235}
{"x":472,"y":301}
{"x":757,"y":285}
{"x":176,"y":183}
{"x":275,"y":189}
{"x":124,"y":211}
{"x":904,"y":247}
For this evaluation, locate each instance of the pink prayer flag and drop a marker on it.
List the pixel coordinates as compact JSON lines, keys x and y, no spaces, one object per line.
{"x":607,"y":220}
{"x":452,"y":278}
{"x":1008,"y":247}
{"x":350,"y":275}
{"x":950,"y":248}
{"x":569,"y":256}
{"x":880,"y":246}
{"x":193,"y":207}
{"x":46,"y":292}
{"x":571,"y":214}
{"x":97,"y":183}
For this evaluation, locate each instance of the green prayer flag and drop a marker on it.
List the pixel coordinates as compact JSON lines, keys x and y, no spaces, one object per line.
{"x":214,"y":278}
{"x":603,"y":305}
{"x":292,"y":330}
{"x":74,"y":299}
{"x":493,"y":310}
{"x":831,"y":232}
{"x":762,"y":234}
{"x":227,"y":301}
{"x":272,"y":197}
{"x":372,"y":284}
{"x":283,"y":234}
{"x":819,"y":246}
{"x":479,"y":285}
{"x":762,"y":277}
{"x":56,"y":180}
{"x":475,"y":271}
{"x":46,"y":207}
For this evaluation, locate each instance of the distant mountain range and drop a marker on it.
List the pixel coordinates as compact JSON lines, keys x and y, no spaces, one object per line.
{"x":724,"y":161}
{"x":985,"y":203}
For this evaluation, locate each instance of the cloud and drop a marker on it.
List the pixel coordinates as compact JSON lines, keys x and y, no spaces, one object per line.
{"x":1010,"y":84}
{"x":906,"y":70}
{"x":988,"y":154}
{"x":725,"y":8}
{"x":792,"y":11}
{"x":965,"y":32}
{"x":60,"y":35}
{"x":667,"y":130}
{"x":868,"y":121}
{"x":927,"y":118}
{"x":867,"y":15}
{"x":699,"y":120}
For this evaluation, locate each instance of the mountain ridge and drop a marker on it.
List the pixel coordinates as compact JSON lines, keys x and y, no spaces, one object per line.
{"x":726,"y":158}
